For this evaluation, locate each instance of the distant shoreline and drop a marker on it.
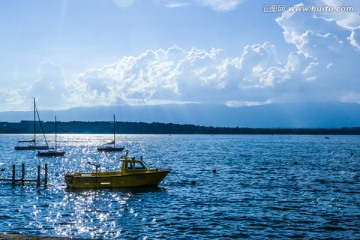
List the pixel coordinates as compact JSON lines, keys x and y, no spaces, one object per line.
{"x":82,"y":127}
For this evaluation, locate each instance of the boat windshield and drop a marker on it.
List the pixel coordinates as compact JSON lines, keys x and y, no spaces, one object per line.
{"x":135,"y":166}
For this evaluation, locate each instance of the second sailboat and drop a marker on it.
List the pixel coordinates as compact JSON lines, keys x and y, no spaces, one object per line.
{"x":111,"y":148}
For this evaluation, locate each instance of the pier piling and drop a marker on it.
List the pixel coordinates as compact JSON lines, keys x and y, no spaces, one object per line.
{"x":13,"y":175}
{"x":38,"y":175}
{"x":13,"y":180}
{"x":22,"y":173}
{"x":46,"y":174}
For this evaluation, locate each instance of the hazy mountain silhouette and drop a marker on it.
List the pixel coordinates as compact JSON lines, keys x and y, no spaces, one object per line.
{"x":307,"y":115}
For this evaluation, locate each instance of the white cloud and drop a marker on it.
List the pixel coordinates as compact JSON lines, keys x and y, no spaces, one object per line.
{"x":347,"y":19}
{"x":220,"y":5}
{"x":176,"y":4}
{"x":333,"y":66}
{"x":298,"y":27}
{"x":354,"y":38}
{"x":245,"y":103}
{"x":50,"y":87}
{"x":123,"y":3}
{"x":216,"y":5}
{"x":351,"y":96}
{"x":11,"y":99}
{"x":325,"y":66}
{"x":186,"y":76}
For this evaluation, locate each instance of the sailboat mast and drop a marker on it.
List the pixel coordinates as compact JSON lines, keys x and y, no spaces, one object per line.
{"x":114,"y":130}
{"x":34,"y":124}
{"x":55,"y":135}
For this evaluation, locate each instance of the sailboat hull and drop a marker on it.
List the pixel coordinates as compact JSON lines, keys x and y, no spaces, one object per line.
{"x":32,"y":147}
{"x":110,"y":149}
{"x":51,"y":153}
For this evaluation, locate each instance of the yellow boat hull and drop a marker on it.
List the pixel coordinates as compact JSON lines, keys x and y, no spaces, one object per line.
{"x":115,"y":179}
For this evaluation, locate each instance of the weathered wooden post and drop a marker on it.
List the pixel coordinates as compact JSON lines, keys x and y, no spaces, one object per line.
{"x":38,"y":176}
{"x":22,"y":173}
{"x":13,"y":175}
{"x":46,"y":174}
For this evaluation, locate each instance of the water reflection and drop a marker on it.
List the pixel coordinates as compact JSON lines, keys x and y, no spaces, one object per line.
{"x":90,"y":212}
{"x":128,"y":190}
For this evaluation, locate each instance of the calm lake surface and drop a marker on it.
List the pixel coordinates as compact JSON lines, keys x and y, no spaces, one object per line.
{"x":265,"y":187}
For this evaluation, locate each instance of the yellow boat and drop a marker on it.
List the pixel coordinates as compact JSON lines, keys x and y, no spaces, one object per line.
{"x":133,"y":173}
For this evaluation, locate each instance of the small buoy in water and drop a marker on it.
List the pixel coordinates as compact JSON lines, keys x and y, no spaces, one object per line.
{"x":193,"y":182}
{"x":214,"y":170}
{"x":352,"y":154}
{"x":3,"y":169}
{"x":295,"y":163}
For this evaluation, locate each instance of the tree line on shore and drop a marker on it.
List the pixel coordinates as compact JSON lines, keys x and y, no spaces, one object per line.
{"x":102,"y":127}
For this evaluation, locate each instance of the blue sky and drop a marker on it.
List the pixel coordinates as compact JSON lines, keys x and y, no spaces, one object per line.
{"x":105,"y":52}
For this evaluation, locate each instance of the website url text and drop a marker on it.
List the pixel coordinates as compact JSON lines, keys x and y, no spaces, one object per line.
{"x":278,"y":8}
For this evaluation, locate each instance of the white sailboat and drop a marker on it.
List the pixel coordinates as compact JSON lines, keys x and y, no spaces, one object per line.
{"x":53,"y":152}
{"x":111,"y":148}
{"x":34,"y":146}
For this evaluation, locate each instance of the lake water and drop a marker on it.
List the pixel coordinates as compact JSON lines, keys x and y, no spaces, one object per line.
{"x":265,"y":187}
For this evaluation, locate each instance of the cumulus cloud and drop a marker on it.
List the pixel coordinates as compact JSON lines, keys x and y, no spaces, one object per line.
{"x":195,"y":75}
{"x":161,"y":75}
{"x":354,"y":38}
{"x":50,"y":87}
{"x":220,"y":5}
{"x":324,"y":67}
{"x":329,"y":52}
{"x":299,"y":27}
{"x":349,"y":18}
{"x":10,"y":98}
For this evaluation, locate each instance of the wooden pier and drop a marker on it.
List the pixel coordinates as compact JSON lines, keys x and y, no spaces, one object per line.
{"x":22,"y":180}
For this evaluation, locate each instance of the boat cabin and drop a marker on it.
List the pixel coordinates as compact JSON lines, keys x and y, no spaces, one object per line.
{"x":132,"y":165}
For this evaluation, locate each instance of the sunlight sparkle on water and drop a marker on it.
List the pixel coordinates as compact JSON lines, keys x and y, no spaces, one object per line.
{"x":257,"y":191}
